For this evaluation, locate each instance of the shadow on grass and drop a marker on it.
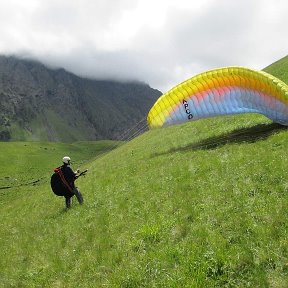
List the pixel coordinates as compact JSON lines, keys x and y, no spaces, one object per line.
{"x":247,"y":135}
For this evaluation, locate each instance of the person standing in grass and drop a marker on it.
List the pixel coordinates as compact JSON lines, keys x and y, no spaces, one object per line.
{"x":70,"y":177}
{"x":62,"y":182}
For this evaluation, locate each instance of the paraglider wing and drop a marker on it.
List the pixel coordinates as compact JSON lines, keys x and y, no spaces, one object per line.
{"x":223,"y":91}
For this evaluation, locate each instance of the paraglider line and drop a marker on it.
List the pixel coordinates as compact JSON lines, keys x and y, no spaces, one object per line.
{"x":126,"y":137}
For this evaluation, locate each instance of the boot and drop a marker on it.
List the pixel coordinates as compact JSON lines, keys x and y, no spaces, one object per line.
{"x":68,"y":201}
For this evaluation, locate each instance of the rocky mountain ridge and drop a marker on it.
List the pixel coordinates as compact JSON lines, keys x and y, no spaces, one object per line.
{"x":39,"y":103}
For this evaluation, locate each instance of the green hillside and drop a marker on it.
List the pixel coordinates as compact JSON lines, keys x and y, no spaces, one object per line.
{"x":201,"y":205}
{"x":279,"y":69}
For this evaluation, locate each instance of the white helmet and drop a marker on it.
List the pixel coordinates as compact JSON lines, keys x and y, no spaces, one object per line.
{"x":66,"y":160}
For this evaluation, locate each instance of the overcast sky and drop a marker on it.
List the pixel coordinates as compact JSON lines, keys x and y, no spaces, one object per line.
{"x":160,"y":42}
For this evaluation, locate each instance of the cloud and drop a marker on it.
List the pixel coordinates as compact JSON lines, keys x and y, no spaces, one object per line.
{"x":159,"y":42}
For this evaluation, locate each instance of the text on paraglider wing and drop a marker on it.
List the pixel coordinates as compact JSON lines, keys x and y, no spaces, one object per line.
{"x":187,"y":110}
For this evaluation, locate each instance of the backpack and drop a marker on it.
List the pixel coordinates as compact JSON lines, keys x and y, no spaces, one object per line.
{"x":58,"y":183}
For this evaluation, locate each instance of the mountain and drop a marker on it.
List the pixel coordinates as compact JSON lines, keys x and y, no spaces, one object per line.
{"x":39,"y":103}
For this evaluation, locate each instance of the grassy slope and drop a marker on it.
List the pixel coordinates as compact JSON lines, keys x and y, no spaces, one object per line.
{"x":199,"y":205}
{"x":196,"y":205}
{"x":279,"y":69}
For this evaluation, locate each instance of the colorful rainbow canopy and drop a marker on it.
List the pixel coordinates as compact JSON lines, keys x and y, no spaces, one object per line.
{"x":222,"y":91}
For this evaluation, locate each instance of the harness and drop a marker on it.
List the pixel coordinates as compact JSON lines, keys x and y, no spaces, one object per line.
{"x":58,"y":171}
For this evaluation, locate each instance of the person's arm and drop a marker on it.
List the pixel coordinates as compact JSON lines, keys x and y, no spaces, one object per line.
{"x":70,"y":175}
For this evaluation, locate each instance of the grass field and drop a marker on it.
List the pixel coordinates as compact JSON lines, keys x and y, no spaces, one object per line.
{"x":202,"y":204}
